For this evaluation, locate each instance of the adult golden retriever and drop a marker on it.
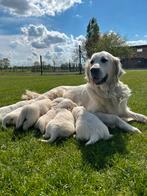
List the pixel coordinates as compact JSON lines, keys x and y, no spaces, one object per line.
{"x":103,"y":94}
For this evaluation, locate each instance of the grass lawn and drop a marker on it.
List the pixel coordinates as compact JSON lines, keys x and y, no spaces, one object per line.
{"x":115,"y":167}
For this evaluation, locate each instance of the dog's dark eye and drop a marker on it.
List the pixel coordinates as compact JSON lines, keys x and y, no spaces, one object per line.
{"x":104,"y":60}
{"x":92,"y":62}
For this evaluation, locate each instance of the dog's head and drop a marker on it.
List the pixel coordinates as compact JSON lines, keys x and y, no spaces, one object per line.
{"x":103,"y":68}
{"x":77,"y":111}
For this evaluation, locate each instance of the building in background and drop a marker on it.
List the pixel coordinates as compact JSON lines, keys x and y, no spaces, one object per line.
{"x":138,"y":60}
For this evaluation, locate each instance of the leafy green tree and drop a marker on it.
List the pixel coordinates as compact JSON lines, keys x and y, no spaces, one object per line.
{"x":115,"y":44}
{"x":92,"y":37}
{"x":110,"y":42}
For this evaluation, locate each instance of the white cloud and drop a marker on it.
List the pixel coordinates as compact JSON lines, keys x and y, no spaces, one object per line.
{"x":137,"y":42}
{"x":14,"y":49}
{"x":37,"y":7}
{"x":16,"y":6}
{"x":38,"y":40}
{"x":78,"y":16}
{"x":40,"y":37}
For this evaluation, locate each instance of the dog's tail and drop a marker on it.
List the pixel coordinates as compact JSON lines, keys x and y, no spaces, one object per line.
{"x":92,"y":140}
{"x":51,"y":140}
{"x":29,"y":95}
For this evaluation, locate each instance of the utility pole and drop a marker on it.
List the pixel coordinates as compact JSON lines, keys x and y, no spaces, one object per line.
{"x":41,"y":65}
{"x":69,"y":67}
{"x":80,"y":60}
{"x":54,"y":67}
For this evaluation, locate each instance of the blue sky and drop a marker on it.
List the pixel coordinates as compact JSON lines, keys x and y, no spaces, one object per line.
{"x":63,"y":23}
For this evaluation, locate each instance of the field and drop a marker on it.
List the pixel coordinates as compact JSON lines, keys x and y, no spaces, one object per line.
{"x":115,"y":167}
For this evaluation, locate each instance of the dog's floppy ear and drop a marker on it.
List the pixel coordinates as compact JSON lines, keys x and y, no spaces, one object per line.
{"x":118,"y":67}
{"x":87,"y":69}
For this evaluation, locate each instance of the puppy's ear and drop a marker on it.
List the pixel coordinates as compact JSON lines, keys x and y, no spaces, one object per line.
{"x":118,"y":70}
{"x":87,"y":70}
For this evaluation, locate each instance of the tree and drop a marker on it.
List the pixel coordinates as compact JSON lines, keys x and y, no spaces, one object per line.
{"x":36,"y":64}
{"x":115,"y":44}
{"x":4,"y":63}
{"x":92,"y":37}
{"x":110,"y":42}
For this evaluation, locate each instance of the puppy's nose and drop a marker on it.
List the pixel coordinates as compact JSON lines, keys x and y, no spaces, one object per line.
{"x":95,"y":71}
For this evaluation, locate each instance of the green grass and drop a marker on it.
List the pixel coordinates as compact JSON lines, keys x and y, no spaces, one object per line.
{"x":115,"y":167}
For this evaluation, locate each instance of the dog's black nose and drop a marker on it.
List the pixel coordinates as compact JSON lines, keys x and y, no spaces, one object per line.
{"x":95,"y":71}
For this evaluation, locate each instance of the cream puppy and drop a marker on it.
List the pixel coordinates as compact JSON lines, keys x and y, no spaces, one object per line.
{"x":57,"y":103}
{"x":89,"y":127}
{"x":44,"y":120}
{"x":61,"y":126}
{"x":11,"y":118}
{"x":31,"y":113}
{"x":63,"y":103}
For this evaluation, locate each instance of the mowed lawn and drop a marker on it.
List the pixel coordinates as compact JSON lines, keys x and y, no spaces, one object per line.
{"x":114,"y":167}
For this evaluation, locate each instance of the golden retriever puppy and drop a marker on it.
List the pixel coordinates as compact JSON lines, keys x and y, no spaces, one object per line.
{"x":61,"y":126}
{"x":7,"y":109}
{"x":11,"y":118}
{"x":44,"y":120}
{"x":31,"y":113}
{"x":63,"y":103}
{"x":57,"y":103}
{"x":89,"y":127}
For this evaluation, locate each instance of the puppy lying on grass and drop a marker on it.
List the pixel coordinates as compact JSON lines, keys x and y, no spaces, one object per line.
{"x":31,"y":113}
{"x":61,"y":126}
{"x":89,"y":127}
{"x":44,"y":120}
{"x":56,"y":104}
{"x":10,"y":119}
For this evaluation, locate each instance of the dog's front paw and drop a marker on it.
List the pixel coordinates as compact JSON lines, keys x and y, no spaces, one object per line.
{"x":136,"y":130}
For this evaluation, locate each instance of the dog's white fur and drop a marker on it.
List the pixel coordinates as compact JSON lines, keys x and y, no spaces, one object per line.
{"x":63,"y":103}
{"x":110,"y":97}
{"x":44,"y":120}
{"x":89,"y":127}
{"x":56,"y":104}
{"x":11,"y":118}
{"x":7,"y":109}
{"x":31,"y":113}
{"x":61,"y":126}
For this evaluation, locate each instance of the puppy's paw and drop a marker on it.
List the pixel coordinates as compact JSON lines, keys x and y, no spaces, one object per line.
{"x":42,"y":140}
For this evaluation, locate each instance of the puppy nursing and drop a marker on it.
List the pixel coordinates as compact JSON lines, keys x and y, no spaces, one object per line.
{"x":55,"y":105}
{"x":31,"y":113}
{"x":89,"y":127}
{"x":62,"y":125}
{"x":44,"y":120}
{"x":11,"y":118}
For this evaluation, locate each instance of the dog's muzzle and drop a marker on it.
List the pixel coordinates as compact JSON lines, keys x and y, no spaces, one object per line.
{"x":96,"y":76}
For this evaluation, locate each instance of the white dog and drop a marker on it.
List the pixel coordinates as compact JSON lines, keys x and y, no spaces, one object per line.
{"x":11,"y":118}
{"x":61,"y":126}
{"x":63,"y":103}
{"x":7,"y":109}
{"x":44,"y":120}
{"x":89,"y":127}
{"x":31,"y":113}
{"x":56,"y":104}
{"x":103,"y":91}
